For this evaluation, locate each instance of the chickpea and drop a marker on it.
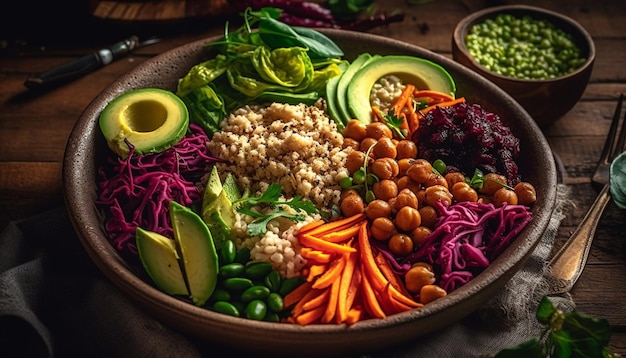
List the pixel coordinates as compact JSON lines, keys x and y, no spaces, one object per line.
{"x":461,"y":191}
{"x":383,"y":228}
{"x":504,"y":195}
{"x":438,"y":193}
{"x":421,"y":197}
{"x":384,"y":168}
{"x":420,"y":170}
{"x":407,"y":149}
{"x":429,"y":216}
{"x":355,"y":129}
{"x":352,"y":204}
{"x":348,"y":192}
{"x":354,"y":161}
{"x":384,"y":148}
{"x":385,"y":189}
{"x":378,"y":208}
{"x":429,"y":293}
{"x":526,"y":194}
{"x":418,"y":276}
{"x":378,"y":130}
{"x":366,"y":143}
{"x":400,"y":244}
{"x":351,"y":143}
{"x":453,"y":178}
{"x":484,"y":198}
{"x":406,"y":197}
{"x":405,"y":182}
{"x":407,"y":219}
{"x":419,"y":234}
{"x":436,"y":179}
{"x":403,"y":165}
{"x":492,"y":182}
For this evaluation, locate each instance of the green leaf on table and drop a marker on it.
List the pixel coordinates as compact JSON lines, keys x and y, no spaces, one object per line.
{"x":618,"y":180}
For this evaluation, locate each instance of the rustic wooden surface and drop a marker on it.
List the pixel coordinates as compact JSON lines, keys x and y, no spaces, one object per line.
{"x":34,"y":127}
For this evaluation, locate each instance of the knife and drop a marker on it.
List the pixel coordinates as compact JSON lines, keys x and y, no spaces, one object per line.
{"x":84,"y":65}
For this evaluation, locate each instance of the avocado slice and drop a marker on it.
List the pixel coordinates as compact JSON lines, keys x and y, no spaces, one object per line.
{"x":160,"y":260}
{"x":332,"y":101}
{"x":197,"y":251}
{"x":150,"y":119}
{"x":422,"y":73}
{"x":217,"y":206}
{"x":344,"y":81}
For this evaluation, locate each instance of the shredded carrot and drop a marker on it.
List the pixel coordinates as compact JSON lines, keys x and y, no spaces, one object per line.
{"x":347,"y":276}
{"x":354,"y":315}
{"x":311,"y":316}
{"x":316,"y":256}
{"x":314,"y":271}
{"x":316,"y":301}
{"x":333,"y":299}
{"x":435,"y":96}
{"x":310,"y":226}
{"x":369,"y":298}
{"x":391,"y":276}
{"x":298,"y":309}
{"x":297,"y":294}
{"x":341,"y":235}
{"x":335,"y":225}
{"x":327,"y":246}
{"x":443,"y":104}
{"x":332,"y":274}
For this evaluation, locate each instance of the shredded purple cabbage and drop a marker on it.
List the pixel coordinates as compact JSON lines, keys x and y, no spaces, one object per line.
{"x":468,"y":237}
{"x":136,"y":191}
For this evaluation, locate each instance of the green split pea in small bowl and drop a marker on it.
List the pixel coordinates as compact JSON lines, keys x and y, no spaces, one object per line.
{"x":541,"y":58}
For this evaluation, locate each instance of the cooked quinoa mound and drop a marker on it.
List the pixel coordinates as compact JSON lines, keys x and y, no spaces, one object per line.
{"x":297,"y":146}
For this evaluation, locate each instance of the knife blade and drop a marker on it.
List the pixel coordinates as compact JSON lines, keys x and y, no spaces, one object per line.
{"x":87,"y":64}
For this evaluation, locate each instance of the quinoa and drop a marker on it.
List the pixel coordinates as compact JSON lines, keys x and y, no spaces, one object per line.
{"x":297,"y":146}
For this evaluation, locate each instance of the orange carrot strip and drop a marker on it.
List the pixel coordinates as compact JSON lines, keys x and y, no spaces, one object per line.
{"x":347,"y":276}
{"x":333,"y":298}
{"x":311,"y":316}
{"x":333,"y":225}
{"x":341,"y":235}
{"x":316,"y":301}
{"x":332,"y":274}
{"x":369,"y":298}
{"x":372,"y":271}
{"x":403,"y":101}
{"x":296,"y":294}
{"x":314,"y":271}
{"x":436,"y":95}
{"x":392,"y":303}
{"x":310,"y":226}
{"x":354,"y":315}
{"x":298,"y":309}
{"x":391,"y":276}
{"x":314,"y":242}
{"x":318,"y":256}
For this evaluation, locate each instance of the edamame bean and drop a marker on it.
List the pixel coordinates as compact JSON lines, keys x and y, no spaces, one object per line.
{"x":231,"y":270}
{"x":237,"y":283}
{"x":258,"y":269}
{"x":226,"y":308}
{"x":274,"y":302}
{"x":255,"y":293}
{"x":272,"y":281}
{"x":256,"y":309}
{"x":228,"y":252}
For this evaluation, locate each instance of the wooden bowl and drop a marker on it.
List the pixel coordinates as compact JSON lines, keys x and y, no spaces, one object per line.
{"x":545,"y":100}
{"x":86,"y":149}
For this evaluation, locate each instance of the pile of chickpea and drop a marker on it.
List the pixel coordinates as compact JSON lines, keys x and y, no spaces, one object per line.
{"x":400,"y":191}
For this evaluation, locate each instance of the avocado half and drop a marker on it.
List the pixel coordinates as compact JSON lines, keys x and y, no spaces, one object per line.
{"x":422,"y":73}
{"x":150,"y":119}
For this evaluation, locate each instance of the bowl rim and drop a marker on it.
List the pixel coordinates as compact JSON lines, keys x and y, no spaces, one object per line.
{"x":166,"y":308}
{"x":464,"y":25}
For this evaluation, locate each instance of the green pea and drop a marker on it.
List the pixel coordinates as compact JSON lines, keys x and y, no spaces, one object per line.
{"x":237,"y":283}
{"x":256,"y":309}
{"x":258,"y":269}
{"x":255,"y":293}
{"x":228,"y":252}
{"x":231,"y":270}
{"x":226,"y":308}
{"x":274,"y":302}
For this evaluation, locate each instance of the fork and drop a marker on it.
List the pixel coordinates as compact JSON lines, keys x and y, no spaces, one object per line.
{"x":569,"y":262}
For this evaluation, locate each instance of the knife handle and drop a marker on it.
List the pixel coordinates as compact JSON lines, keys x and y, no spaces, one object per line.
{"x":83,"y":65}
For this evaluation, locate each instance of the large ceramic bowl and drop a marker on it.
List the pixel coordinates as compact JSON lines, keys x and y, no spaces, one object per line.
{"x":86,"y":148}
{"x":547,"y":100}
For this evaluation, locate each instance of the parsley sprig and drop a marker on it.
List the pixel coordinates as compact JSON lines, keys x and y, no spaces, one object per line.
{"x":394,"y":122}
{"x":271,"y":199}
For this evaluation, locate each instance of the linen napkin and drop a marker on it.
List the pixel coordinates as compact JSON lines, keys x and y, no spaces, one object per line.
{"x":54,"y":302}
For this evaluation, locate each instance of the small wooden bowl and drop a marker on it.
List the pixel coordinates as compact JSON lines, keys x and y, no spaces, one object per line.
{"x":545,"y":100}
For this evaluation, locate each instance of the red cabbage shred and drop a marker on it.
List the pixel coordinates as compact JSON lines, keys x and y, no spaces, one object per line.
{"x":136,"y":191}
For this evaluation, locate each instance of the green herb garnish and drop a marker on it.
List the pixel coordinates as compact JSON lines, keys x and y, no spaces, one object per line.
{"x":572,"y":334}
{"x":394,"y":122}
{"x":271,"y":198}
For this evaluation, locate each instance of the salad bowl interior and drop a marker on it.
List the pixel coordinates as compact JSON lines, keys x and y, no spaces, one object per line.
{"x":86,"y":149}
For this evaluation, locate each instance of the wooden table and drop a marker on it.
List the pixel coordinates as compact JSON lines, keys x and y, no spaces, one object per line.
{"x":34,"y":127}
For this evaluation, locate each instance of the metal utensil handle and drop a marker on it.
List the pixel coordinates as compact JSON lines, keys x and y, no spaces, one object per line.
{"x":568,"y":263}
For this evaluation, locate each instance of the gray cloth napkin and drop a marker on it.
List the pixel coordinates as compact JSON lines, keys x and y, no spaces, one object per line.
{"x":54,"y":302}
